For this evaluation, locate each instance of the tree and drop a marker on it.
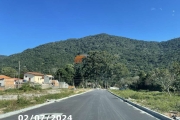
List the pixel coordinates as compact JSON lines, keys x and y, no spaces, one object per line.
{"x":70,"y":73}
{"x":61,"y":73}
{"x":165,"y":79}
{"x":117,"y":73}
{"x":66,"y":73}
{"x":176,"y":70}
{"x":9,"y":71}
{"x":151,"y":83}
{"x":120,"y":71}
{"x":136,"y":55}
{"x":95,"y":65}
{"x":142,"y":80}
{"x":78,"y":77}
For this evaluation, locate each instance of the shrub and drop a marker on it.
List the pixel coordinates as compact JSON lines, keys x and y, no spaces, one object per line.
{"x":26,"y":87}
{"x":37,"y":87}
{"x":158,"y":101}
{"x":22,"y":101}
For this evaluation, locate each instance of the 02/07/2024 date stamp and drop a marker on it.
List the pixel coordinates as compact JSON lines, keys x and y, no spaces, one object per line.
{"x":45,"y":117}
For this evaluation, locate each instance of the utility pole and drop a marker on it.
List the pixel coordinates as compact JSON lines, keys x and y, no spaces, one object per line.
{"x":73,"y":83}
{"x":59,"y":77}
{"x":19,"y":74}
{"x":59,"y":80}
{"x":86,"y":83}
{"x":107,"y":84}
{"x":83,"y":83}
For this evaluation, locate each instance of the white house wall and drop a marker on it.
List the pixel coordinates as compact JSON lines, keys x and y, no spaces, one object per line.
{"x":38,"y":79}
{"x":27,"y":76}
{"x":48,"y":79}
{"x":2,"y":82}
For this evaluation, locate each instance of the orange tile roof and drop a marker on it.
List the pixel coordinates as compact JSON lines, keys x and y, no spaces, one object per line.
{"x":35,"y":73}
{"x":4,"y":76}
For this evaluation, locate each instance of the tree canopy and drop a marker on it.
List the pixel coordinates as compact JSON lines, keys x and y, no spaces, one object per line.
{"x":108,"y":57}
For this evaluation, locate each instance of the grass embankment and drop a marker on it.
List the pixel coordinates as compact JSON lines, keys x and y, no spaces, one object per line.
{"x":157,"y":101}
{"x":22,"y":102}
{"x":16,"y":91}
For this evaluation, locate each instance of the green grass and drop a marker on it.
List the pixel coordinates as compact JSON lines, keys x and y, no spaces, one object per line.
{"x":22,"y":102}
{"x":158,"y":101}
{"x":15,"y":91}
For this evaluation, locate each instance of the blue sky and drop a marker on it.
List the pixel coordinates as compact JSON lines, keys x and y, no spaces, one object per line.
{"x":28,"y":23}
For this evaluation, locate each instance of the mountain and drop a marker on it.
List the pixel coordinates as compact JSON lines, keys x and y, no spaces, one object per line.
{"x":136,"y":54}
{"x":2,"y":56}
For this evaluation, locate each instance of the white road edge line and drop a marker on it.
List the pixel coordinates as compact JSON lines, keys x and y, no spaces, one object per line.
{"x":37,"y":106}
{"x":141,"y":111}
{"x":141,"y":106}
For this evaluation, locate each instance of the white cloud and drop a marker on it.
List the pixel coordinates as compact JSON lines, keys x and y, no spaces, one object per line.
{"x":156,"y":9}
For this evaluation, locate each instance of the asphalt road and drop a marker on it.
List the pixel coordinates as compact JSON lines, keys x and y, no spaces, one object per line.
{"x":94,"y":105}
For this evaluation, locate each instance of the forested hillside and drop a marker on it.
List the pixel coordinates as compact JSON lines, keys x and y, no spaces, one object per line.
{"x":135,"y":54}
{"x":2,"y":56}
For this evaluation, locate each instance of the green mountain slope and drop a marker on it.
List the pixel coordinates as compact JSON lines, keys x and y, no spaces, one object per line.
{"x":2,"y":57}
{"x":136,"y":54}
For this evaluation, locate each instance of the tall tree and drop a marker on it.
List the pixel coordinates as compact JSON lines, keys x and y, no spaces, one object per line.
{"x":9,"y":71}
{"x":70,"y":73}
{"x":164,"y":78}
{"x":96,"y":65}
{"x":119,"y":71}
{"x":66,"y":74}
{"x":176,"y":70}
{"x":78,"y":77}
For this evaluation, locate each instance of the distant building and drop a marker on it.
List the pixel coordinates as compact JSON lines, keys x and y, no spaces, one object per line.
{"x":34,"y":77}
{"x":55,"y":83}
{"x":7,"y":82}
{"x":48,"y":79}
{"x":63,"y":85}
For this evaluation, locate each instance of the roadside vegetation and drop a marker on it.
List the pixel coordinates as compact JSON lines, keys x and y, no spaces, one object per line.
{"x":108,"y":61}
{"x":23,"y":102}
{"x":155,"y":100}
{"x":26,"y":88}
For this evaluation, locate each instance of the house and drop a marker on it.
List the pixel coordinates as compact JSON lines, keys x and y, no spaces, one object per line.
{"x":48,"y":79}
{"x":7,"y":82}
{"x":34,"y":77}
{"x":55,"y":83}
{"x":63,"y":85}
{"x":2,"y":81}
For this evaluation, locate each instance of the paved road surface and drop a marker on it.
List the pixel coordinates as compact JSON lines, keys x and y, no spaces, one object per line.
{"x":94,"y":105}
